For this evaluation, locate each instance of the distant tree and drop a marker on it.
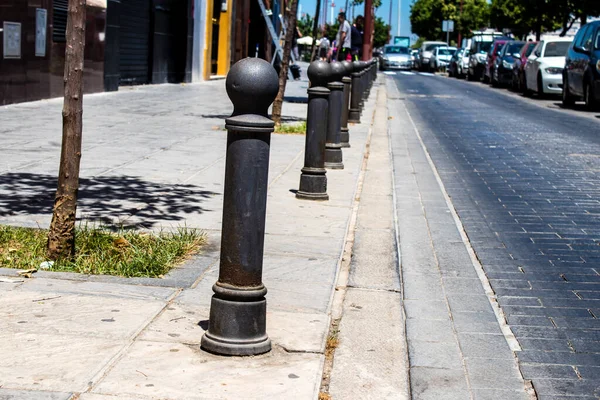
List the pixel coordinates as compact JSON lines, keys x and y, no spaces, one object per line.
{"x":426,"y":17}
{"x":382,"y":33}
{"x":524,"y":16}
{"x":305,"y":24}
{"x":569,"y":11}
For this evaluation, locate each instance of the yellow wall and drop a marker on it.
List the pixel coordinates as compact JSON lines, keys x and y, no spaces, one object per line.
{"x":224,"y":54}
{"x":225,"y":40}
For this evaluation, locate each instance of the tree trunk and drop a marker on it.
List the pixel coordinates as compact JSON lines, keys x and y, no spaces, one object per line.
{"x":61,"y":237}
{"x":287,"y":49}
{"x":315,"y":31}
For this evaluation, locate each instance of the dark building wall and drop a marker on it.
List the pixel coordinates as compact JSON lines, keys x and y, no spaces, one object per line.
{"x":32,"y":77}
{"x":148,"y":41}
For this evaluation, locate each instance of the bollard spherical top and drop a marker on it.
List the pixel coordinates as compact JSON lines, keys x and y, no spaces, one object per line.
{"x":357,"y":66}
{"x":252,"y":85}
{"x":319,"y":73}
{"x":337,"y":71}
{"x":349,"y":67}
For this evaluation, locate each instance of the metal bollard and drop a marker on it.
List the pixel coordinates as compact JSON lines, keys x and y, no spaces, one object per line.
{"x":333,"y":147}
{"x":238,"y":308}
{"x":364,"y":85}
{"x":313,"y":181}
{"x":347,"y":81}
{"x":355,"y":95}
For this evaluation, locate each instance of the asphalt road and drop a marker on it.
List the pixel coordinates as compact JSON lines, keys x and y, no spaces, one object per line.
{"x":524,"y":177}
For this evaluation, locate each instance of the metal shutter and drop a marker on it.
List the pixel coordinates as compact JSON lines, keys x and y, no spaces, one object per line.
{"x":59,"y":20}
{"x":134,"y":42}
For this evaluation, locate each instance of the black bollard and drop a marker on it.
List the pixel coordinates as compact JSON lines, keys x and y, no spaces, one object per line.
{"x":354,"y":111}
{"x":363,"y":85}
{"x":238,"y":308}
{"x":333,"y":147}
{"x":313,"y":181}
{"x":346,"y":80}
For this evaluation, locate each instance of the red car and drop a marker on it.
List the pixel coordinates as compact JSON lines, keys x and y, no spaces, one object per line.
{"x":518,"y":80}
{"x":491,"y":58}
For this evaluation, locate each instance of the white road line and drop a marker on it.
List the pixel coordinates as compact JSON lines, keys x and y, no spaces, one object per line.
{"x":389,"y":73}
{"x":426,"y":74}
{"x":407,"y":73}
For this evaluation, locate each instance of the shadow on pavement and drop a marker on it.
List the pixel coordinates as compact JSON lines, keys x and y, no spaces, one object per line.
{"x":104,"y":199}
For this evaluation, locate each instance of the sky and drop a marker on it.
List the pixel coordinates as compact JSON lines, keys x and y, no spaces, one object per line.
{"x":308,"y":6}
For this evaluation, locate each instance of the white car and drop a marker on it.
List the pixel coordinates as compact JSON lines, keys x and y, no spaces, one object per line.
{"x":463,"y":63}
{"x":544,"y":68}
{"x":396,"y":57}
{"x":441,"y":57}
{"x":425,"y":53}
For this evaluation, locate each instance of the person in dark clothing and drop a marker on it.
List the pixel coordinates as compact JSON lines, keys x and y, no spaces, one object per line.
{"x":357,"y":34}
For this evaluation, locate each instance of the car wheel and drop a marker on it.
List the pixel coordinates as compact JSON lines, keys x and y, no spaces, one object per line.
{"x":567,"y":98}
{"x":540,"y":86}
{"x":591,"y":103}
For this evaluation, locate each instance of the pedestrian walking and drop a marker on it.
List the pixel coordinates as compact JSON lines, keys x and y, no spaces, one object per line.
{"x":344,"y":38}
{"x":324,"y":46}
{"x":356,"y":38}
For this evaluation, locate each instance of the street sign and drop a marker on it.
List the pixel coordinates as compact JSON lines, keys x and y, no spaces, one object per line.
{"x":402,"y":41}
{"x":448,"y":26}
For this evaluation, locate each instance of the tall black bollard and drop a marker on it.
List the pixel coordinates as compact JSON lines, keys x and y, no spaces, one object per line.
{"x":347,"y":81}
{"x":238,"y":308}
{"x":313,"y":181}
{"x":354,"y":112}
{"x":333,"y":147}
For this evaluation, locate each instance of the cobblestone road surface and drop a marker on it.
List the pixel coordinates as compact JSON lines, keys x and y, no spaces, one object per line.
{"x":525,"y":182}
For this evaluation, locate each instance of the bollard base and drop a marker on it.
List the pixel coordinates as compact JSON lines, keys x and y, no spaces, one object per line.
{"x":354,"y":115}
{"x":345,"y":138}
{"x":237,"y":327}
{"x":333,"y":156}
{"x":313,"y":184}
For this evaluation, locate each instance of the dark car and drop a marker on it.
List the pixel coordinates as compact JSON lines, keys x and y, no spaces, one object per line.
{"x":491,"y":60}
{"x":518,"y":79}
{"x":581,"y":75}
{"x":505,"y":62}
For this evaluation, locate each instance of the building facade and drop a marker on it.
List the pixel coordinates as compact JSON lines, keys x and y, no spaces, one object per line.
{"x":128,"y":42}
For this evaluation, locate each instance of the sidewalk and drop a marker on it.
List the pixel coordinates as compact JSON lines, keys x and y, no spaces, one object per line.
{"x":153,"y":157}
{"x":384,"y":257}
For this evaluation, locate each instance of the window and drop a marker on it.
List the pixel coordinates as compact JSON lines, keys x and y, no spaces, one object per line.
{"x":556,"y":49}
{"x":597,"y":41}
{"x":396,"y":50}
{"x":514,"y":48}
{"x":578,"y":38}
{"x":59,"y":20}
{"x":530,"y":48}
{"x":586,"y":39}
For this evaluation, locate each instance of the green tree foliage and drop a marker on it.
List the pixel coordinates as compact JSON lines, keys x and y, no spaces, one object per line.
{"x":305,"y":24}
{"x":524,"y":16}
{"x":569,"y":11}
{"x":382,"y":33}
{"x":427,"y":15}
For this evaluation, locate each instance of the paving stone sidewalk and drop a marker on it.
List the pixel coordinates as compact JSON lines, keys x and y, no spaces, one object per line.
{"x":153,"y":158}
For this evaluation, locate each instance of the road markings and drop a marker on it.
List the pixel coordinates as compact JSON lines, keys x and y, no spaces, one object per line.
{"x":407,"y":73}
{"x":389,"y":73}
{"x":426,"y":74}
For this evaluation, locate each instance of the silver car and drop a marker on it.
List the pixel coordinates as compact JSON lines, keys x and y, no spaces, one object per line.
{"x":396,"y":57}
{"x":441,"y":57}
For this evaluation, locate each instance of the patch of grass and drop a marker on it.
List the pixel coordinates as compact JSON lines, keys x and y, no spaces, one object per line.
{"x":101,"y":251}
{"x":296,"y":128}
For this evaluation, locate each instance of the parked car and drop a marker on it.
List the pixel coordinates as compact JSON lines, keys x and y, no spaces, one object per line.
{"x":581,"y":74}
{"x":395,"y":56}
{"x":441,"y":57}
{"x":518,"y":80}
{"x":480,"y":46}
{"x":463,"y":64}
{"x":544,"y":68}
{"x":414,"y":55}
{"x":491,"y":59}
{"x":425,"y":53}
{"x":455,"y":61}
{"x":505,"y":62}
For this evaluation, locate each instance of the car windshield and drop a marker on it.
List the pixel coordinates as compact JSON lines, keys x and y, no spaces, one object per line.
{"x":530,"y":47}
{"x":396,"y":50}
{"x":514,"y":48}
{"x":431,"y":47}
{"x":482,"y":47}
{"x":556,"y":49}
{"x":444,"y":51}
{"x":499,"y":48}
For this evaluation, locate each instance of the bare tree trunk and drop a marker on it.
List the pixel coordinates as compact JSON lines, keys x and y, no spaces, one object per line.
{"x":315,"y":31}
{"x":61,"y":237}
{"x":287,"y":49}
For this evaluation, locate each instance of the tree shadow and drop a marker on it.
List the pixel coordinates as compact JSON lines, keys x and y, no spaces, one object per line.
{"x":128,"y":200}
{"x":296,"y":99}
